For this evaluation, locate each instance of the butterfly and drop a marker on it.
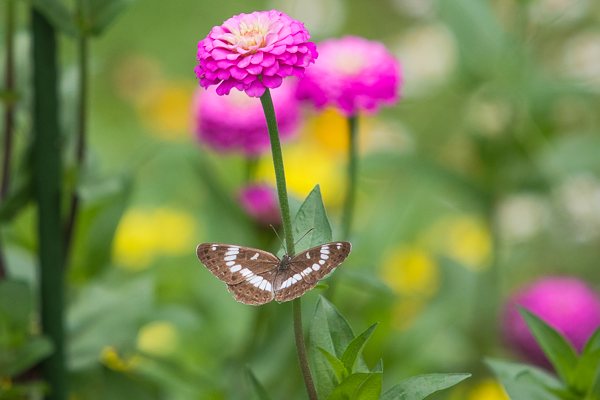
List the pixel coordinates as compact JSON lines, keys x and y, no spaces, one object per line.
{"x":256,"y":276}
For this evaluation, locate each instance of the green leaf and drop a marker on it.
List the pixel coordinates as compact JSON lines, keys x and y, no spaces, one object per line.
{"x":355,"y":347}
{"x":524,"y":381}
{"x":260,"y":392}
{"x":18,"y":359}
{"x":330,"y":331}
{"x":585,"y":372}
{"x":419,"y":387}
{"x":337,"y":365}
{"x":99,"y":14}
{"x":58,"y":15}
{"x":104,"y":202}
{"x":312,"y":218}
{"x":594,"y":391}
{"x":558,"y":350}
{"x":363,"y":386}
{"x":378,"y":367}
{"x":593,"y":343}
{"x":15,"y":306}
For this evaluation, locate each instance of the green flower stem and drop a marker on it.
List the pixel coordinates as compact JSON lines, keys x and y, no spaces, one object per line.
{"x":9,"y":112}
{"x":348,"y":211}
{"x":267,"y":104}
{"x":284,"y":205}
{"x":47,"y":192}
{"x":80,"y":145}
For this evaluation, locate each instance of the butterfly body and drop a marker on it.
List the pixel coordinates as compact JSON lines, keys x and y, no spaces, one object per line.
{"x":256,"y":277}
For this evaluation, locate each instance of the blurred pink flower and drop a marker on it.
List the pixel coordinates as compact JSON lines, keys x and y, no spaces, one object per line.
{"x":567,"y":304}
{"x":260,"y":202}
{"x":254,"y":51}
{"x":236,"y":123}
{"x":352,"y":74}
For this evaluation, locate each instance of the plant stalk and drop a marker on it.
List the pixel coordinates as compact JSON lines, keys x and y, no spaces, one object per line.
{"x":350,"y":200}
{"x":81,"y":138}
{"x":9,"y":113}
{"x":47,"y":192}
{"x":267,"y":104}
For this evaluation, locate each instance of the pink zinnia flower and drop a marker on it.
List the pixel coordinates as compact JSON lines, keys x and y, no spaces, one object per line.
{"x":352,"y":74}
{"x":252,"y":52}
{"x":260,"y":202}
{"x":567,"y":304}
{"x":236,"y":123}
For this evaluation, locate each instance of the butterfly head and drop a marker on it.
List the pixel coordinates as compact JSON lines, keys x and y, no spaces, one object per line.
{"x":285,"y":262}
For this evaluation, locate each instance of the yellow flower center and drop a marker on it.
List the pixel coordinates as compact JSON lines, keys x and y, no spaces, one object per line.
{"x":251,"y":36}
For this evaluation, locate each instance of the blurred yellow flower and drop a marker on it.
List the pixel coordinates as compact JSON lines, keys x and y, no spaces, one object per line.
{"x":111,"y":358}
{"x":406,"y":311}
{"x":329,"y":130}
{"x":159,"y":338}
{"x":166,"y":110}
{"x":488,"y":389}
{"x":464,"y":238}
{"x":144,"y":235}
{"x":306,"y":165}
{"x":411,"y":271}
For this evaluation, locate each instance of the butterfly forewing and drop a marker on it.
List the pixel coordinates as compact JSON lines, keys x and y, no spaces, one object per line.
{"x":248,"y":272}
{"x":307,"y":268}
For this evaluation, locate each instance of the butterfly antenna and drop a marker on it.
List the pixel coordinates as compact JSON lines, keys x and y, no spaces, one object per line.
{"x":307,"y":232}
{"x":278,"y":237}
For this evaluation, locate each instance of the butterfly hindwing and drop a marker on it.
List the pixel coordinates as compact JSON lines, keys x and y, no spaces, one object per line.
{"x":235,"y":264}
{"x":255,"y":291}
{"x":307,"y":268}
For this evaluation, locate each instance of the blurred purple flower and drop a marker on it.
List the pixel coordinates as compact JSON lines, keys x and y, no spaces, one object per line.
{"x":252,"y":52}
{"x":236,"y":123}
{"x":260,"y":202}
{"x":352,"y":74}
{"x":567,"y":304}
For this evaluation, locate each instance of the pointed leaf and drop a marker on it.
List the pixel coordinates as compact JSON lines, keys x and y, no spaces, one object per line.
{"x":16,"y":360}
{"x":259,"y":390}
{"x":378,"y":367}
{"x":594,"y":391}
{"x":524,"y":381}
{"x":311,"y":218}
{"x":593,"y":343}
{"x":585,"y":372}
{"x":558,"y":350}
{"x":99,"y":14}
{"x":358,"y":386}
{"x":419,"y":387}
{"x":330,"y":331}
{"x":355,"y":347}
{"x":336,"y":364}
{"x":58,"y":15}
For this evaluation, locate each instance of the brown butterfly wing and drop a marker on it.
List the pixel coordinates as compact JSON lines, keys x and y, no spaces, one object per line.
{"x":307,"y":268}
{"x":248,"y":272}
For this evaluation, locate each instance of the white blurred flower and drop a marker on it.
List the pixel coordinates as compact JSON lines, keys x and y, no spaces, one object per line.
{"x":557,"y":11}
{"x":428,"y":55}
{"x":489,"y":116}
{"x":582,"y":58}
{"x":522,"y":216}
{"x":579,"y":195}
{"x":414,"y":8}
{"x":321,"y":17}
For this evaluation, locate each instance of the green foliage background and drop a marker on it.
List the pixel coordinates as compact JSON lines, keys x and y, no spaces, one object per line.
{"x":514,"y":116}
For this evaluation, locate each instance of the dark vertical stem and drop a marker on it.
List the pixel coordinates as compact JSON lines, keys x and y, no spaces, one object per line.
{"x":47,"y":184}
{"x":9,"y":87}
{"x":9,"y":113}
{"x":269,"y":111}
{"x":350,"y":200}
{"x":80,"y":144}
